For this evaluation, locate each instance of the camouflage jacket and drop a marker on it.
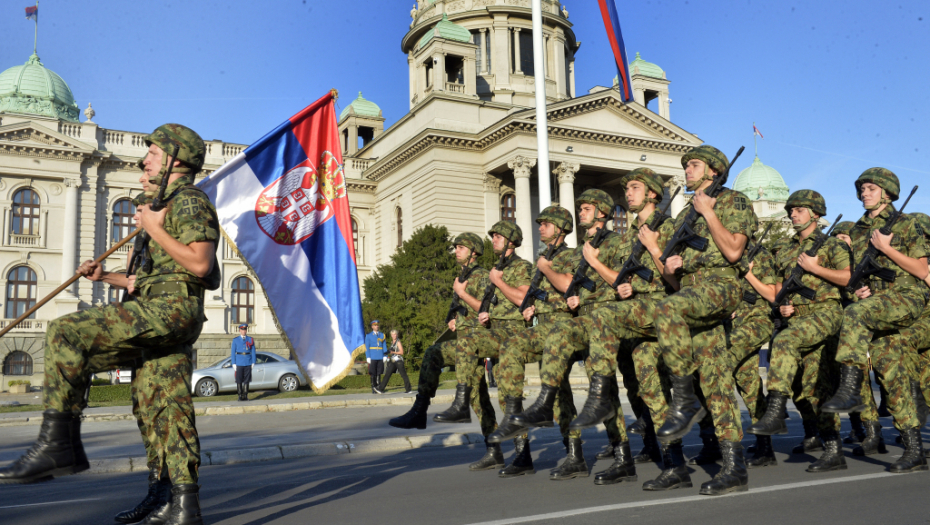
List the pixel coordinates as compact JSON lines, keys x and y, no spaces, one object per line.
{"x":555,"y":302}
{"x":735,"y":213}
{"x":477,"y":280}
{"x":517,"y":273}
{"x":627,"y":240}
{"x":908,"y":238}
{"x":608,"y":253}
{"x":763,"y":268}
{"x":833,"y":256}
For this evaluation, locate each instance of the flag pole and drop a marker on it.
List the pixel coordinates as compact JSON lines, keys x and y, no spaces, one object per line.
{"x":542,"y":123}
{"x":755,"y":139}
{"x":35,"y":41}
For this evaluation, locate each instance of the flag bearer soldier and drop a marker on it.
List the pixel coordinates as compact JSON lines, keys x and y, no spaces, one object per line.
{"x":689,"y":323}
{"x":503,"y":320}
{"x":882,"y":310}
{"x":803,"y":352}
{"x":468,"y":247}
{"x":161,"y":323}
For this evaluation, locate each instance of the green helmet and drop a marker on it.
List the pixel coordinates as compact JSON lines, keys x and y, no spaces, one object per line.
{"x":191,"y":148}
{"x":883,"y":178}
{"x":559,"y":216}
{"x":807,"y":199}
{"x":923,"y":220}
{"x":141,"y":200}
{"x":599,"y":198}
{"x":648,"y":177}
{"x":713,"y":157}
{"x":843,"y":228}
{"x":470,"y":240}
{"x":509,"y":231}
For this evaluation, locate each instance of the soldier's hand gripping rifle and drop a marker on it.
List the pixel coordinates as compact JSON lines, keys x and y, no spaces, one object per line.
{"x":868,"y":266}
{"x":633,"y":265}
{"x":490,"y":298}
{"x":751,"y":297}
{"x":457,"y":307}
{"x":793,"y":284}
{"x":580,"y":279}
{"x":535,"y":293}
{"x":685,"y":234}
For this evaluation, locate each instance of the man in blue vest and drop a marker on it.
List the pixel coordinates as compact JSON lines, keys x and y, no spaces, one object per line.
{"x":243,"y":357}
{"x":375,"y":350}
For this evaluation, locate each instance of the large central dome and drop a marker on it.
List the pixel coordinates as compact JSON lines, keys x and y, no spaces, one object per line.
{"x":761,"y":182}
{"x":33,"y":89}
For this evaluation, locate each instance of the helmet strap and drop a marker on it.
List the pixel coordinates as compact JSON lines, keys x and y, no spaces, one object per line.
{"x":881,"y":202}
{"x":801,"y":227}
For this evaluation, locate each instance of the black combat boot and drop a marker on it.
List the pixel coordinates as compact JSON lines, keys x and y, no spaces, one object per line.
{"x":684,"y":411}
{"x":873,"y":442}
{"x":764,"y":454}
{"x":597,"y":408}
{"x":623,"y":468}
{"x":159,"y":490}
{"x":651,"y":451}
{"x":508,"y":429}
{"x":415,"y":417}
{"x":733,"y":477}
{"x":913,"y":458}
{"x":574,"y":465}
{"x":920,"y":403}
{"x":832,"y":457}
{"x":185,"y":505}
{"x":811,"y":441}
{"x":492,"y":458}
{"x":245,"y":394}
{"x":608,"y":450}
{"x":459,"y":412}
{"x":161,"y":514}
{"x":674,"y":471}
{"x":540,"y":413}
{"x":857,"y":434}
{"x":637,"y":427}
{"x":847,"y":398}
{"x":710,"y":452}
{"x":522,"y":460}
{"x":57,"y":451}
{"x":772,"y":422}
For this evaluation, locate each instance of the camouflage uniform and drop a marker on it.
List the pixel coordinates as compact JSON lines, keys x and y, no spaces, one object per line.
{"x":916,"y":339}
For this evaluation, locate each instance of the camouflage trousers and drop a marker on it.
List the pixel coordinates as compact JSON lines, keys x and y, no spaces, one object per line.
{"x":443,"y":354}
{"x":917,"y":338}
{"x":890,"y":356}
{"x":750,"y":331}
{"x":801,"y":363}
{"x":689,"y":326}
{"x":886,"y":310}
{"x":652,"y":376}
{"x":618,"y":320}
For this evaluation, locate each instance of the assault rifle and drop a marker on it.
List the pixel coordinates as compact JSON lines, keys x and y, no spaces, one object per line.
{"x":793,"y":284}
{"x":489,"y":297}
{"x":535,"y":293}
{"x":751,"y":297}
{"x":580,"y":279}
{"x":633,"y":265}
{"x":685,"y":234}
{"x":868,"y":265}
{"x":457,"y":307}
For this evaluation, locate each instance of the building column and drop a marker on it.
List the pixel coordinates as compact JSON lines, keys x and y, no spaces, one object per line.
{"x":678,"y":203}
{"x":561,"y":86}
{"x":565,"y":174}
{"x":482,"y":34}
{"x":492,"y":200}
{"x":522,"y":167}
{"x":439,"y":72}
{"x":413,"y":67}
{"x":516,"y":51}
{"x":70,"y":231}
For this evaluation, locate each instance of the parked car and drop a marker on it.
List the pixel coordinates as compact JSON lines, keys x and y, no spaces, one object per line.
{"x":270,"y":371}
{"x":120,"y":376}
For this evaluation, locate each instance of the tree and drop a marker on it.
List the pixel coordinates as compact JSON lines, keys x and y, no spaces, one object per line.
{"x":780,"y":230}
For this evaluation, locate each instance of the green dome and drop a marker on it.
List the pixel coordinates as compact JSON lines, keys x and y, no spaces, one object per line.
{"x":645,"y":68}
{"x":362,"y":108}
{"x":34,"y":89}
{"x":761,"y":182}
{"x":448,"y":30}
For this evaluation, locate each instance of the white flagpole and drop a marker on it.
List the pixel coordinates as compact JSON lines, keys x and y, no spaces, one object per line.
{"x":542,"y":124}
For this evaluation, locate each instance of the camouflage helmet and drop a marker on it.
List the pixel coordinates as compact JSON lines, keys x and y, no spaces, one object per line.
{"x":807,"y":199}
{"x":191,"y":148}
{"x":713,"y":157}
{"x":508,"y":230}
{"x":599,"y":198}
{"x":923,"y":220}
{"x":559,"y":216}
{"x":471,"y":241}
{"x":883,"y":178}
{"x":651,"y":179}
{"x":843,"y":228}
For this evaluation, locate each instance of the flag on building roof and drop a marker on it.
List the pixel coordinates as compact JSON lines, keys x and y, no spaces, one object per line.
{"x":283,"y":204}
{"x":32,"y":12}
{"x":612,"y":24}
{"x":755,"y":131}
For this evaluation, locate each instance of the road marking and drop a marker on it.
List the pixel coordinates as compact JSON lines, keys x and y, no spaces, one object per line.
{"x":686,"y":499}
{"x":50,"y":503}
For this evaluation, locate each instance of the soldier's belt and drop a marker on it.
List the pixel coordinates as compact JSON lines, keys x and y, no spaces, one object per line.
{"x":693,"y":279}
{"x":513,"y":324}
{"x":173,"y":288}
{"x":802,"y":310}
{"x":552,"y":317}
{"x":586,"y":309}
{"x":905,"y":281}
{"x":243,"y":353}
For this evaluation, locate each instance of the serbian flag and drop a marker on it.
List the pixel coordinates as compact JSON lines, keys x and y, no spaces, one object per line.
{"x":612,"y":24}
{"x":755,"y":131}
{"x":283,"y":203}
{"x":32,"y":13}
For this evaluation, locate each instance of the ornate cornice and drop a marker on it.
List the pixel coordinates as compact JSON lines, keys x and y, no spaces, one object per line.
{"x":14,"y":142}
{"x":613,"y":104}
{"x":361,"y":187}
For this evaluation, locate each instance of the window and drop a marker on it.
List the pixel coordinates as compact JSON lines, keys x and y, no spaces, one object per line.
{"x":20,"y":292}
{"x":122,"y":220}
{"x":400,"y":227}
{"x":26,"y":212}
{"x":482,"y":63}
{"x":355,"y":237}
{"x":113,"y":295}
{"x":243,"y":301}
{"x":17,"y":364}
{"x":620,"y":220}
{"x":525,"y":60}
{"x":509,"y":208}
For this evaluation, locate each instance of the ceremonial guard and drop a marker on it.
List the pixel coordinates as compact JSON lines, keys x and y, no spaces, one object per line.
{"x":375,"y":350}
{"x":243,"y":358}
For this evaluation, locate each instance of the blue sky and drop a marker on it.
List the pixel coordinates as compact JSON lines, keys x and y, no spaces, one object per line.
{"x":835,"y":86}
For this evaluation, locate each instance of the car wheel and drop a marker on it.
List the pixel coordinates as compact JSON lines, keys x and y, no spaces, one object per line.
{"x":206,"y":387}
{"x":288,"y":383}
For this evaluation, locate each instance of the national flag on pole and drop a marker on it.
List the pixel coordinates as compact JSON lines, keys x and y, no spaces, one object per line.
{"x":755,"y":131}
{"x":283,"y":203}
{"x":612,"y":24}
{"x":32,"y":13}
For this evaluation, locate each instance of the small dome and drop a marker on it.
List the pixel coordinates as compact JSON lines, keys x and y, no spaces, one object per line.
{"x":761,"y":182}
{"x":362,"y":108}
{"x":34,"y":89}
{"x":448,"y":30}
{"x":640,"y":67}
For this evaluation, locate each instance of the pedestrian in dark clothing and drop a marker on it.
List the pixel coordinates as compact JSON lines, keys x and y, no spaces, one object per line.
{"x":395,"y":363}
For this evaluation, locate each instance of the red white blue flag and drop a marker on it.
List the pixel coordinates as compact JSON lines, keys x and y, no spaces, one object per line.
{"x":612,"y":24}
{"x":283,"y":203}
{"x":755,"y":131}
{"x":32,"y":12}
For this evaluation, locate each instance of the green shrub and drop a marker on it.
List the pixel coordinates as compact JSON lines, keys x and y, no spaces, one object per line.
{"x":100,"y":382}
{"x":110,"y":393}
{"x":20,"y":382}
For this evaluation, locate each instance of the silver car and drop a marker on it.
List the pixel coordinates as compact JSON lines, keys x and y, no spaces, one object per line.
{"x":270,"y":371}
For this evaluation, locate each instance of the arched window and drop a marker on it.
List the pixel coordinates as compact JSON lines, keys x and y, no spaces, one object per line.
{"x":243,"y":301}
{"x":26,"y":212}
{"x":122,"y":220}
{"x":355,"y":237}
{"x":20,"y":291}
{"x":400,"y":227}
{"x":17,"y":364}
{"x":620,"y":220}
{"x":509,"y":208}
